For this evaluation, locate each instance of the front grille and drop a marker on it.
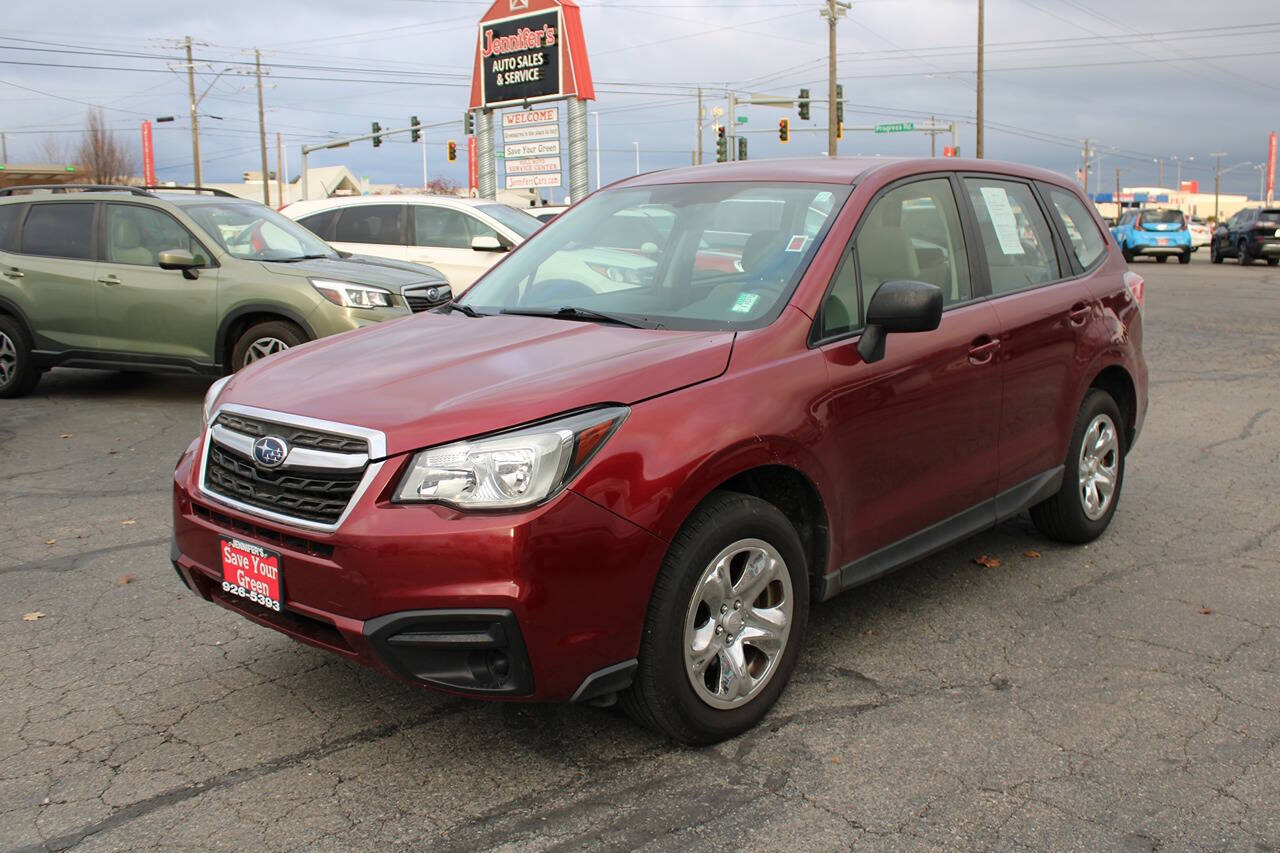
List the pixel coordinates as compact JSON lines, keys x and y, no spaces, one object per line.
{"x":263,"y":534}
{"x":313,"y":496}
{"x":417,"y":303}
{"x":296,"y":436}
{"x":422,"y":297}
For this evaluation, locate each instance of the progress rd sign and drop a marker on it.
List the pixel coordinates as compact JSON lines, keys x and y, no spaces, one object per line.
{"x":896,"y":127}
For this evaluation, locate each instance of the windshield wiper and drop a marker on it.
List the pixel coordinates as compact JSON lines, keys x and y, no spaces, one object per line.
{"x":462,"y":309}
{"x":573,"y":312}
{"x":294,"y":259}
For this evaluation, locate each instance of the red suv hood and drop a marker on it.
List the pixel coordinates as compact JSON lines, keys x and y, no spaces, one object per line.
{"x":433,"y":378}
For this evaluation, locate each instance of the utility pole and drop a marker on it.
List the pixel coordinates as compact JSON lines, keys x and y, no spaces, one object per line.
{"x":1088,"y":157}
{"x":1217,"y":181}
{"x":832,"y":12}
{"x":280,"y":170}
{"x":1117,"y":192}
{"x":4,"y":149}
{"x":697,"y":159}
{"x":195,"y":120}
{"x":978,"y":147}
{"x":262,"y":129}
{"x":933,"y":137}
{"x":1159,"y":172}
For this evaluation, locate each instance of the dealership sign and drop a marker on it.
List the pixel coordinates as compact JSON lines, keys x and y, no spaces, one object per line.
{"x":525,"y":182}
{"x":528,"y":134}
{"x":529,"y":51}
{"x":530,"y":149}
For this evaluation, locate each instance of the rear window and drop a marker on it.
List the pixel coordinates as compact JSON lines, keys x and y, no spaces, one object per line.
{"x":1087,"y":243}
{"x":1270,"y":213}
{"x":9,"y":216}
{"x":59,"y":231}
{"x":1161,"y":217}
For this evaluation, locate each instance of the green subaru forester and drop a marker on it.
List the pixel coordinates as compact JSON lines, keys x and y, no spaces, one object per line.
{"x":174,"y":280}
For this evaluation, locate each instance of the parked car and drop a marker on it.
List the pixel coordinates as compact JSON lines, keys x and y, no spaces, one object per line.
{"x":1159,"y":233}
{"x":460,"y":237}
{"x":1201,"y":233}
{"x":548,"y":212}
{"x":1251,"y":235}
{"x":548,"y":492}
{"x":175,"y":280}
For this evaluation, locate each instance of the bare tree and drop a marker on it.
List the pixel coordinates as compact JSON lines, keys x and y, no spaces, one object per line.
{"x":53,"y":150}
{"x":442,"y":186}
{"x":101,"y":156}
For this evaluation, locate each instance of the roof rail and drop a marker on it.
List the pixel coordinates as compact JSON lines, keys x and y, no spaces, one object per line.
{"x":84,"y":188}
{"x":211,"y":190}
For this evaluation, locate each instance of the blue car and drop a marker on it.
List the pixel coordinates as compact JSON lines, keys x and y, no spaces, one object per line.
{"x":1158,"y":233}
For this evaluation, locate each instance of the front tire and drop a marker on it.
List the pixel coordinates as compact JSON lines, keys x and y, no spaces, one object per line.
{"x":1185,"y":257}
{"x":726,"y":622}
{"x":1127,"y":253}
{"x":1093,"y":476}
{"x":18,"y":375}
{"x":1271,"y":262}
{"x":1214,"y":255}
{"x":263,"y":339}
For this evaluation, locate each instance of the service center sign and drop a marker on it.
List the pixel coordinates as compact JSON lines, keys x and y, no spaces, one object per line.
{"x":521,"y":58}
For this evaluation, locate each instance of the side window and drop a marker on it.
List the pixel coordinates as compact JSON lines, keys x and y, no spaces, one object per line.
{"x":321,"y":224}
{"x":1015,"y":235}
{"x":137,"y":235}
{"x":9,"y":216}
{"x":59,"y":231}
{"x":1087,"y":244}
{"x":913,"y":232}
{"x":443,"y":227}
{"x":370,"y":223}
{"x":480,"y":229}
{"x":841,"y":310}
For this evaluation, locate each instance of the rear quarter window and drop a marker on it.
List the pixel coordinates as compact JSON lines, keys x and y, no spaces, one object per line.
{"x":1086,"y":241}
{"x":9,"y":216}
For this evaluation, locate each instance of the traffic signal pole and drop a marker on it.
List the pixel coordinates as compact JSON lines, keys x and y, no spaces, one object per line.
{"x":343,"y":143}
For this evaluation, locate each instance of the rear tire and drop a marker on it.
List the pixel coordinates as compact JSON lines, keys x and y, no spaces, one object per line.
{"x":1214,"y":255}
{"x":1082,"y":508}
{"x":1242,"y":254}
{"x":263,"y":339}
{"x":18,"y":375}
{"x":697,"y":682}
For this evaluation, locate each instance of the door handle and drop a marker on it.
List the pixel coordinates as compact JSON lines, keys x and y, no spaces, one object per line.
{"x":110,"y":280}
{"x":14,"y":273}
{"x":983,"y":350}
{"x":1078,"y":315}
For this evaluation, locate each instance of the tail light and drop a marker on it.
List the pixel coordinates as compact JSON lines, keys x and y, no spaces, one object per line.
{"x":1136,"y":286}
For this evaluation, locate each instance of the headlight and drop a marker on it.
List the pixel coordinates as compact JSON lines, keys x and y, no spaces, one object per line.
{"x":211,"y":397}
{"x":512,"y":469}
{"x":350,"y":295}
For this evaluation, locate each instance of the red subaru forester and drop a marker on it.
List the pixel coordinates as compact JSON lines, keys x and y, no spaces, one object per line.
{"x":613,"y":470}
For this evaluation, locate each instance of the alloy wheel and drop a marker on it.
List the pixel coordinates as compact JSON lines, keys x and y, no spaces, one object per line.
{"x":1099,"y":467}
{"x":263,"y":347}
{"x":737,"y":624}
{"x":8,"y":359}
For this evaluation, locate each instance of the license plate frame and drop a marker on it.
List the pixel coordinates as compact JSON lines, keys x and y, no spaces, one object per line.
{"x":252,"y":572}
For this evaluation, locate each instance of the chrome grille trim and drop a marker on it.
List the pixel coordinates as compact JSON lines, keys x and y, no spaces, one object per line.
{"x":299,"y":457}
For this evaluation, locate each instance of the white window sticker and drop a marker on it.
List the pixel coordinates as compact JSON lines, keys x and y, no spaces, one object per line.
{"x":746,"y":301}
{"x":1003,"y":220}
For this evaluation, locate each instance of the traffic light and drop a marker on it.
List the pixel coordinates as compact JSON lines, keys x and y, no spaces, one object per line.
{"x":839,"y":104}
{"x":377,"y":134}
{"x":742,"y":148}
{"x":469,"y":123}
{"x":453,"y":151}
{"x":415,"y":134}
{"x":950,"y":151}
{"x":804,"y":104}
{"x":722,"y":145}
{"x":784,"y":130}
{"x":840,"y":130}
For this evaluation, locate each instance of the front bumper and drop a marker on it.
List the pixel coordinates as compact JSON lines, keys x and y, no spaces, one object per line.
{"x":530,"y":605}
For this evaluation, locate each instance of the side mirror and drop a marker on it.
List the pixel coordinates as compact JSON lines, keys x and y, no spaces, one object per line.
{"x":485,"y":243}
{"x":180,"y":259}
{"x":899,"y":306}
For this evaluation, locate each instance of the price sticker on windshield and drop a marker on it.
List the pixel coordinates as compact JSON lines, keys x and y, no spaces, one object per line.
{"x":797,"y":243}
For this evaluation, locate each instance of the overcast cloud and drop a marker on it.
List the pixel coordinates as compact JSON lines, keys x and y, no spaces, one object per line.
{"x":1059,"y":71}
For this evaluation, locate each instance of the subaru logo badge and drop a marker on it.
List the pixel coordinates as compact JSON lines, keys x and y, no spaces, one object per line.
{"x":270,"y":451}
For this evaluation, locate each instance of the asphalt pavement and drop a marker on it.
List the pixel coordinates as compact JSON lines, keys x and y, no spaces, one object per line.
{"x":1123,"y":695}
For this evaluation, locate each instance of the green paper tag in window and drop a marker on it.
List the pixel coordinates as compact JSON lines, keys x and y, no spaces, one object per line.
{"x":745,"y":302}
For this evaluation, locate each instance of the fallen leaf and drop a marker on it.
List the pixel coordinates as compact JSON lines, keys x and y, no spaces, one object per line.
{"x":835,"y":759}
{"x":1205,"y":611}
{"x":128,"y":522}
{"x":869,"y":632}
{"x":112,"y":452}
{"x":1032,"y":554}
{"x":51,"y":541}
{"x":989,"y":562}
{"x":65,"y":435}
{"x":32,"y":616}
{"x":126,"y":580}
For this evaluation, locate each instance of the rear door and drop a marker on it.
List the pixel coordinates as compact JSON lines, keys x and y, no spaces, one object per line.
{"x":143,"y":309}
{"x":1045,"y":307}
{"x":372,"y":229}
{"x":53,"y":263}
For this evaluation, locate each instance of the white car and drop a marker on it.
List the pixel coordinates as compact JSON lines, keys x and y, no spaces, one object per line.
{"x":1201,"y":233}
{"x":547,"y":212}
{"x":460,"y":237}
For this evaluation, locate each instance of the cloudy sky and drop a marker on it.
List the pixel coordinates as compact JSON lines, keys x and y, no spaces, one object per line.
{"x":1174,"y":80}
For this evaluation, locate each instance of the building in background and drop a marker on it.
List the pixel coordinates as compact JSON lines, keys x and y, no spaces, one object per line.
{"x":31,"y":174}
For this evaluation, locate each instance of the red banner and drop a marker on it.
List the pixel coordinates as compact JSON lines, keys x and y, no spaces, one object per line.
{"x":148,"y":156}
{"x":473,"y":173}
{"x":1271,"y":167}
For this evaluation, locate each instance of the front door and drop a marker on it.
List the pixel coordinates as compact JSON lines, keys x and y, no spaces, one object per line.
{"x":442,"y":239}
{"x":915,"y":433}
{"x":143,"y":309}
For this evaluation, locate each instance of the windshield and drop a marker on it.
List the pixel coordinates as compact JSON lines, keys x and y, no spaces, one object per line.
{"x":257,"y":233}
{"x":684,"y":256}
{"x":1161,"y":217}
{"x":517,"y":220}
